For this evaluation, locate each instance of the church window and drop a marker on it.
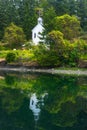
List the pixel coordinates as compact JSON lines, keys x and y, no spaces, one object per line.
{"x":34,"y":35}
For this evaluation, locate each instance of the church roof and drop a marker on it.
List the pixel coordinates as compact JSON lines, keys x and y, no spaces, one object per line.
{"x":37,"y":26}
{"x":40,"y":20}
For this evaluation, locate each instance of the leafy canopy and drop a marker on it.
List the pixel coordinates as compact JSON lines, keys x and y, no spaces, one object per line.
{"x":68,"y":25}
{"x":14,"y":36}
{"x":55,"y":39}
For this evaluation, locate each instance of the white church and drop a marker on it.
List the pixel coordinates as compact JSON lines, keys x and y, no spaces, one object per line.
{"x":37,"y":30}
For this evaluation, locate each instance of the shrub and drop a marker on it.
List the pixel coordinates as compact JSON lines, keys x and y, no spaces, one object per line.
{"x":11,"y":57}
{"x":45,"y":57}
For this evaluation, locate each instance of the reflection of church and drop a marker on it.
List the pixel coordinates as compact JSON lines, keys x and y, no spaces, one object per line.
{"x":35,"y":105}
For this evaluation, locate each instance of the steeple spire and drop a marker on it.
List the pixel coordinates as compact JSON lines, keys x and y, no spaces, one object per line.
{"x":39,"y":13}
{"x":40,"y":21}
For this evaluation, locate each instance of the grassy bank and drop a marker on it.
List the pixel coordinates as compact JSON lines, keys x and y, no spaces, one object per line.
{"x":29,"y":58}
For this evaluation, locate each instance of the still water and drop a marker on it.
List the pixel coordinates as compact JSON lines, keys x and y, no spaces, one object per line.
{"x":42,"y":102}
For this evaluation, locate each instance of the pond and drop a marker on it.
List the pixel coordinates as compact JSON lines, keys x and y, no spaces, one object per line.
{"x":42,"y":102}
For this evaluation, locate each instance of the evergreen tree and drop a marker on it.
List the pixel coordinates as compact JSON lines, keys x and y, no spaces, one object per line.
{"x":48,"y":16}
{"x":61,"y":6}
{"x":29,"y":17}
{"x":82,"y":13}
{"x":24,"y":13}
{"x":3,"y":17}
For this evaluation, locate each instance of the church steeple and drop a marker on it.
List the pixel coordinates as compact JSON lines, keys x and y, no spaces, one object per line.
{"x":40,"y":21}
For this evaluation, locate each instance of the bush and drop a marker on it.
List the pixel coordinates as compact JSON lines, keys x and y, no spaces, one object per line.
{"x":11,"y":57}
{"x":46,"y":57}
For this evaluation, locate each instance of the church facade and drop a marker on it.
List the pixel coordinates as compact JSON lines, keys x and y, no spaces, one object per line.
{"x":37,"y":30}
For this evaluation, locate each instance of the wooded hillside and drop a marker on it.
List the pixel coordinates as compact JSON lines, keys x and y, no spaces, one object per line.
{"x":24,"y":13}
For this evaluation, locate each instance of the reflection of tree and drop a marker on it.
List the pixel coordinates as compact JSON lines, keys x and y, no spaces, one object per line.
{"x":65,"y":89}
{"x":19,"y":119}
{"x":14,"y":111}
{"x":10,"y":80}
{"x":61,"y":102}
{"x":11,"y":100}
{"x":66,"y":116}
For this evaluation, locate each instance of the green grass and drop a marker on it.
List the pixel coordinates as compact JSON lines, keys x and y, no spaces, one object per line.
{"x":3,"y":53}
{"x":84,"y":57}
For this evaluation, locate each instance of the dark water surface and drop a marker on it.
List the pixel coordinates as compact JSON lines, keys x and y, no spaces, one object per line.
{"x":42,"y":102}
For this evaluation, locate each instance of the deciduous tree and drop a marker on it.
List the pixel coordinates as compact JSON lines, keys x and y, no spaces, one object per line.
{"x":14,"y":36}
{"x":68,"y":25}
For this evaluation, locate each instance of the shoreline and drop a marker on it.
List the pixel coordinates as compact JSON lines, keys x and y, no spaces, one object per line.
{"x":50,"y":71}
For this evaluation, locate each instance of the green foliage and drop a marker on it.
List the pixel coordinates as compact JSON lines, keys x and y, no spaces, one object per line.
{"x":55,"y":39}
{"x":2,"y":46}
{"x":68,"y":25}
{"x":64,"y":93}
{"x":82,"y":46}
{"x":81,"y":12}
{"x":84,"y":57}
{"x":29,"y":17}
{"x":14,"y":36}
{"x":61,"y":6}
{"x":60,"y":52}
{"x":48,"y":15}
{"x":24,"y":13}
{"x":11,"y":57}
{"x":71,"y":54}
{"x":57,"y":53}
{"x":22,"y":55}
{"x":25,"y":56}
{"x":49,"y":59}
{"x":3,"y":18}
{"x":56,"y":46}
{"x":3,"y":53}
{"x":46,"y":57}
{"x":74,"y":52}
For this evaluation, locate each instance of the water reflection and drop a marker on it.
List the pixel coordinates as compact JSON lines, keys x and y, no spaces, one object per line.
{"x":52,"y":102}
{"x":35,"y":105}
